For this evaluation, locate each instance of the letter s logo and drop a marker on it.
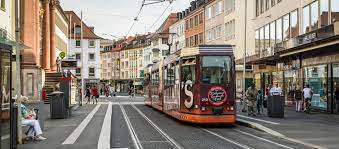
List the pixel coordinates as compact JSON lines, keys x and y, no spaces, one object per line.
{"x":189,"y":93}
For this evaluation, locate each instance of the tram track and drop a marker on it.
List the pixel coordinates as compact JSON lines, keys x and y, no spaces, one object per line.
{"x":145,"y":142}
{"x":238,"y":137}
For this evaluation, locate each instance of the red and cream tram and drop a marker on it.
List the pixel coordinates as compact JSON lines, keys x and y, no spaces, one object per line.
{"x":194,"y":85}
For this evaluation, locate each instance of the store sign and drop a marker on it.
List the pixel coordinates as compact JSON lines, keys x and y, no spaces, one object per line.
{"x":322,"y":33}
{"x":69,"y":64}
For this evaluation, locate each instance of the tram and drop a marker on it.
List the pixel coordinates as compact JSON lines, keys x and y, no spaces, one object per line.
{"x":194,"y":85}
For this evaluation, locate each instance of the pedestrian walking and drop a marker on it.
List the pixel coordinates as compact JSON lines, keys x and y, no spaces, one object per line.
{"x":95,"y":94}
{"x":298,"y":100}
{"x":307,"y":93}
{"x":88,"y":95}
{"x":130,"y":92}
{"x":251,"y":94}
{"x":260,"y":108}
{"x":101,"y":91}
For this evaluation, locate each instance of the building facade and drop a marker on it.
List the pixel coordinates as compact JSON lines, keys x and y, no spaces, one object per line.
{"x":86,"y":50}
{"x":214,"y":22}
{"x":177,"y":31}
{"x":106,"y":61}
{"x":195,"y":24}
{"x":297,"y":46}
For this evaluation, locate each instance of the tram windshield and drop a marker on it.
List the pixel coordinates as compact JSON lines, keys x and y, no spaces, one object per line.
{"x":216,"y":69}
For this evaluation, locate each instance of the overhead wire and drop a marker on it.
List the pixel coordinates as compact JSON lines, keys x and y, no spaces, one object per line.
{"x":158,"y":18}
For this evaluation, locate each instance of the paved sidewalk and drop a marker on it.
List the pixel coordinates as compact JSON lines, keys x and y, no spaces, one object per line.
{"x":56,"y":130}
{"x":317,"y":129}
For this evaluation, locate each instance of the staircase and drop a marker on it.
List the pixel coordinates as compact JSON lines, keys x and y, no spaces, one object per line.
{"x":51,"y":81}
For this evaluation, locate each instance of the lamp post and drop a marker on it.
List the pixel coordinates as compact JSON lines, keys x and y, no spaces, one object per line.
{"x":245,"y":51}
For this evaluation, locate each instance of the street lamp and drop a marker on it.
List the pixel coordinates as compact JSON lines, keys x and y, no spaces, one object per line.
{"x":245,"y":46}
{"x":172,"y":37}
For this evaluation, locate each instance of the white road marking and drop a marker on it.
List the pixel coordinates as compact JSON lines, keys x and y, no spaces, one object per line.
{"x":168,"y":138}
{"x":228,"y":140}
{"x":134,"y":136}
{"x":123,"y":103}
{"x":104,"y":141}
{"x":268,"y":122}
{"x":263,"y":139}
{"x":76,"y":133}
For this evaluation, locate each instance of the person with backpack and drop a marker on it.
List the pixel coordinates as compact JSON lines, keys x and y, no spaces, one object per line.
{"x":307,"y":93}
{"x":260,"y":108}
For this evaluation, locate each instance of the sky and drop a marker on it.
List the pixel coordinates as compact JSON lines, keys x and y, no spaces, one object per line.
{"x":115,"y":17}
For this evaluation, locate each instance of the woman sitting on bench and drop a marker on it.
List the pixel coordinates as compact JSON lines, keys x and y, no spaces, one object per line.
{"x":28,"y":118}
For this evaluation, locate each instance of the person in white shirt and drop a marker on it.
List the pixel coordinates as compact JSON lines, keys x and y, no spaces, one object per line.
{"x":307,"y":93}
{"x":276,"y":90}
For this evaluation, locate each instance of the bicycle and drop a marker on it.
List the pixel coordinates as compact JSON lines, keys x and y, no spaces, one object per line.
{"x":307,"y":105}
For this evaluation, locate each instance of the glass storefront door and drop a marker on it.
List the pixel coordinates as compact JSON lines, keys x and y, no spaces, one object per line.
{"x":5,"y":96}
{"x":316,"y":77}
{"x":335,"y":94}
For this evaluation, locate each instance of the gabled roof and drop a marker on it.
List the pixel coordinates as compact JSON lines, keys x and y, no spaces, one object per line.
{"x":75,"y":19}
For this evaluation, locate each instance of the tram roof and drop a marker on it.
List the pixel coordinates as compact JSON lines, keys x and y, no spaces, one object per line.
{"x":207,"y":49}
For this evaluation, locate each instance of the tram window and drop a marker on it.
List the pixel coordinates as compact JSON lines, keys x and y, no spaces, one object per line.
{"x":216,"y":69}
{"x":188,"y":73}
{"x":170,"y":76}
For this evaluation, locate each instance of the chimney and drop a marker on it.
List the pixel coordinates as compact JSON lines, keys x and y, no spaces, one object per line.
{"x":91,"y":28}
{"x":193,"y":5}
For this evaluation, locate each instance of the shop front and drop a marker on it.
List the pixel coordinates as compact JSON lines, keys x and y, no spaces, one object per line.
{"x":5,"y":97}
{"x":322,"y":74}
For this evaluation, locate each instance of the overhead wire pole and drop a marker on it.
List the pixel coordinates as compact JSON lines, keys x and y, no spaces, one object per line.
{"x":245,"y":46}
{"x":82,"y":62}
{"x":18,"y":75}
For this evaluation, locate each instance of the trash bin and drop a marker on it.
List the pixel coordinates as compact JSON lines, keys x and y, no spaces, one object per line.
{"x":57,"y":106}
{"x":275,"y":106}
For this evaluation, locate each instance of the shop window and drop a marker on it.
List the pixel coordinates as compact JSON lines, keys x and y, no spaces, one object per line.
{"x":286,"y":27}
{"x":294,"y":24}
{"x":334,"y":11}
{"x":316,"y":78}
{"x":306,"y":19}
{"x":257,"y":41}
{"x":324,"y":12}
{"x":267,"y":36}
{"x":272,"y":33}
{"x":262,"y":39}
{"x":279,"y":34}
{"x":315,"y":15}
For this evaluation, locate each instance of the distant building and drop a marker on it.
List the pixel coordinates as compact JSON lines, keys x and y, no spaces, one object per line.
{"x":106,"y":61}
{"x":86,"y":51}
{"x":177,"y":34}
